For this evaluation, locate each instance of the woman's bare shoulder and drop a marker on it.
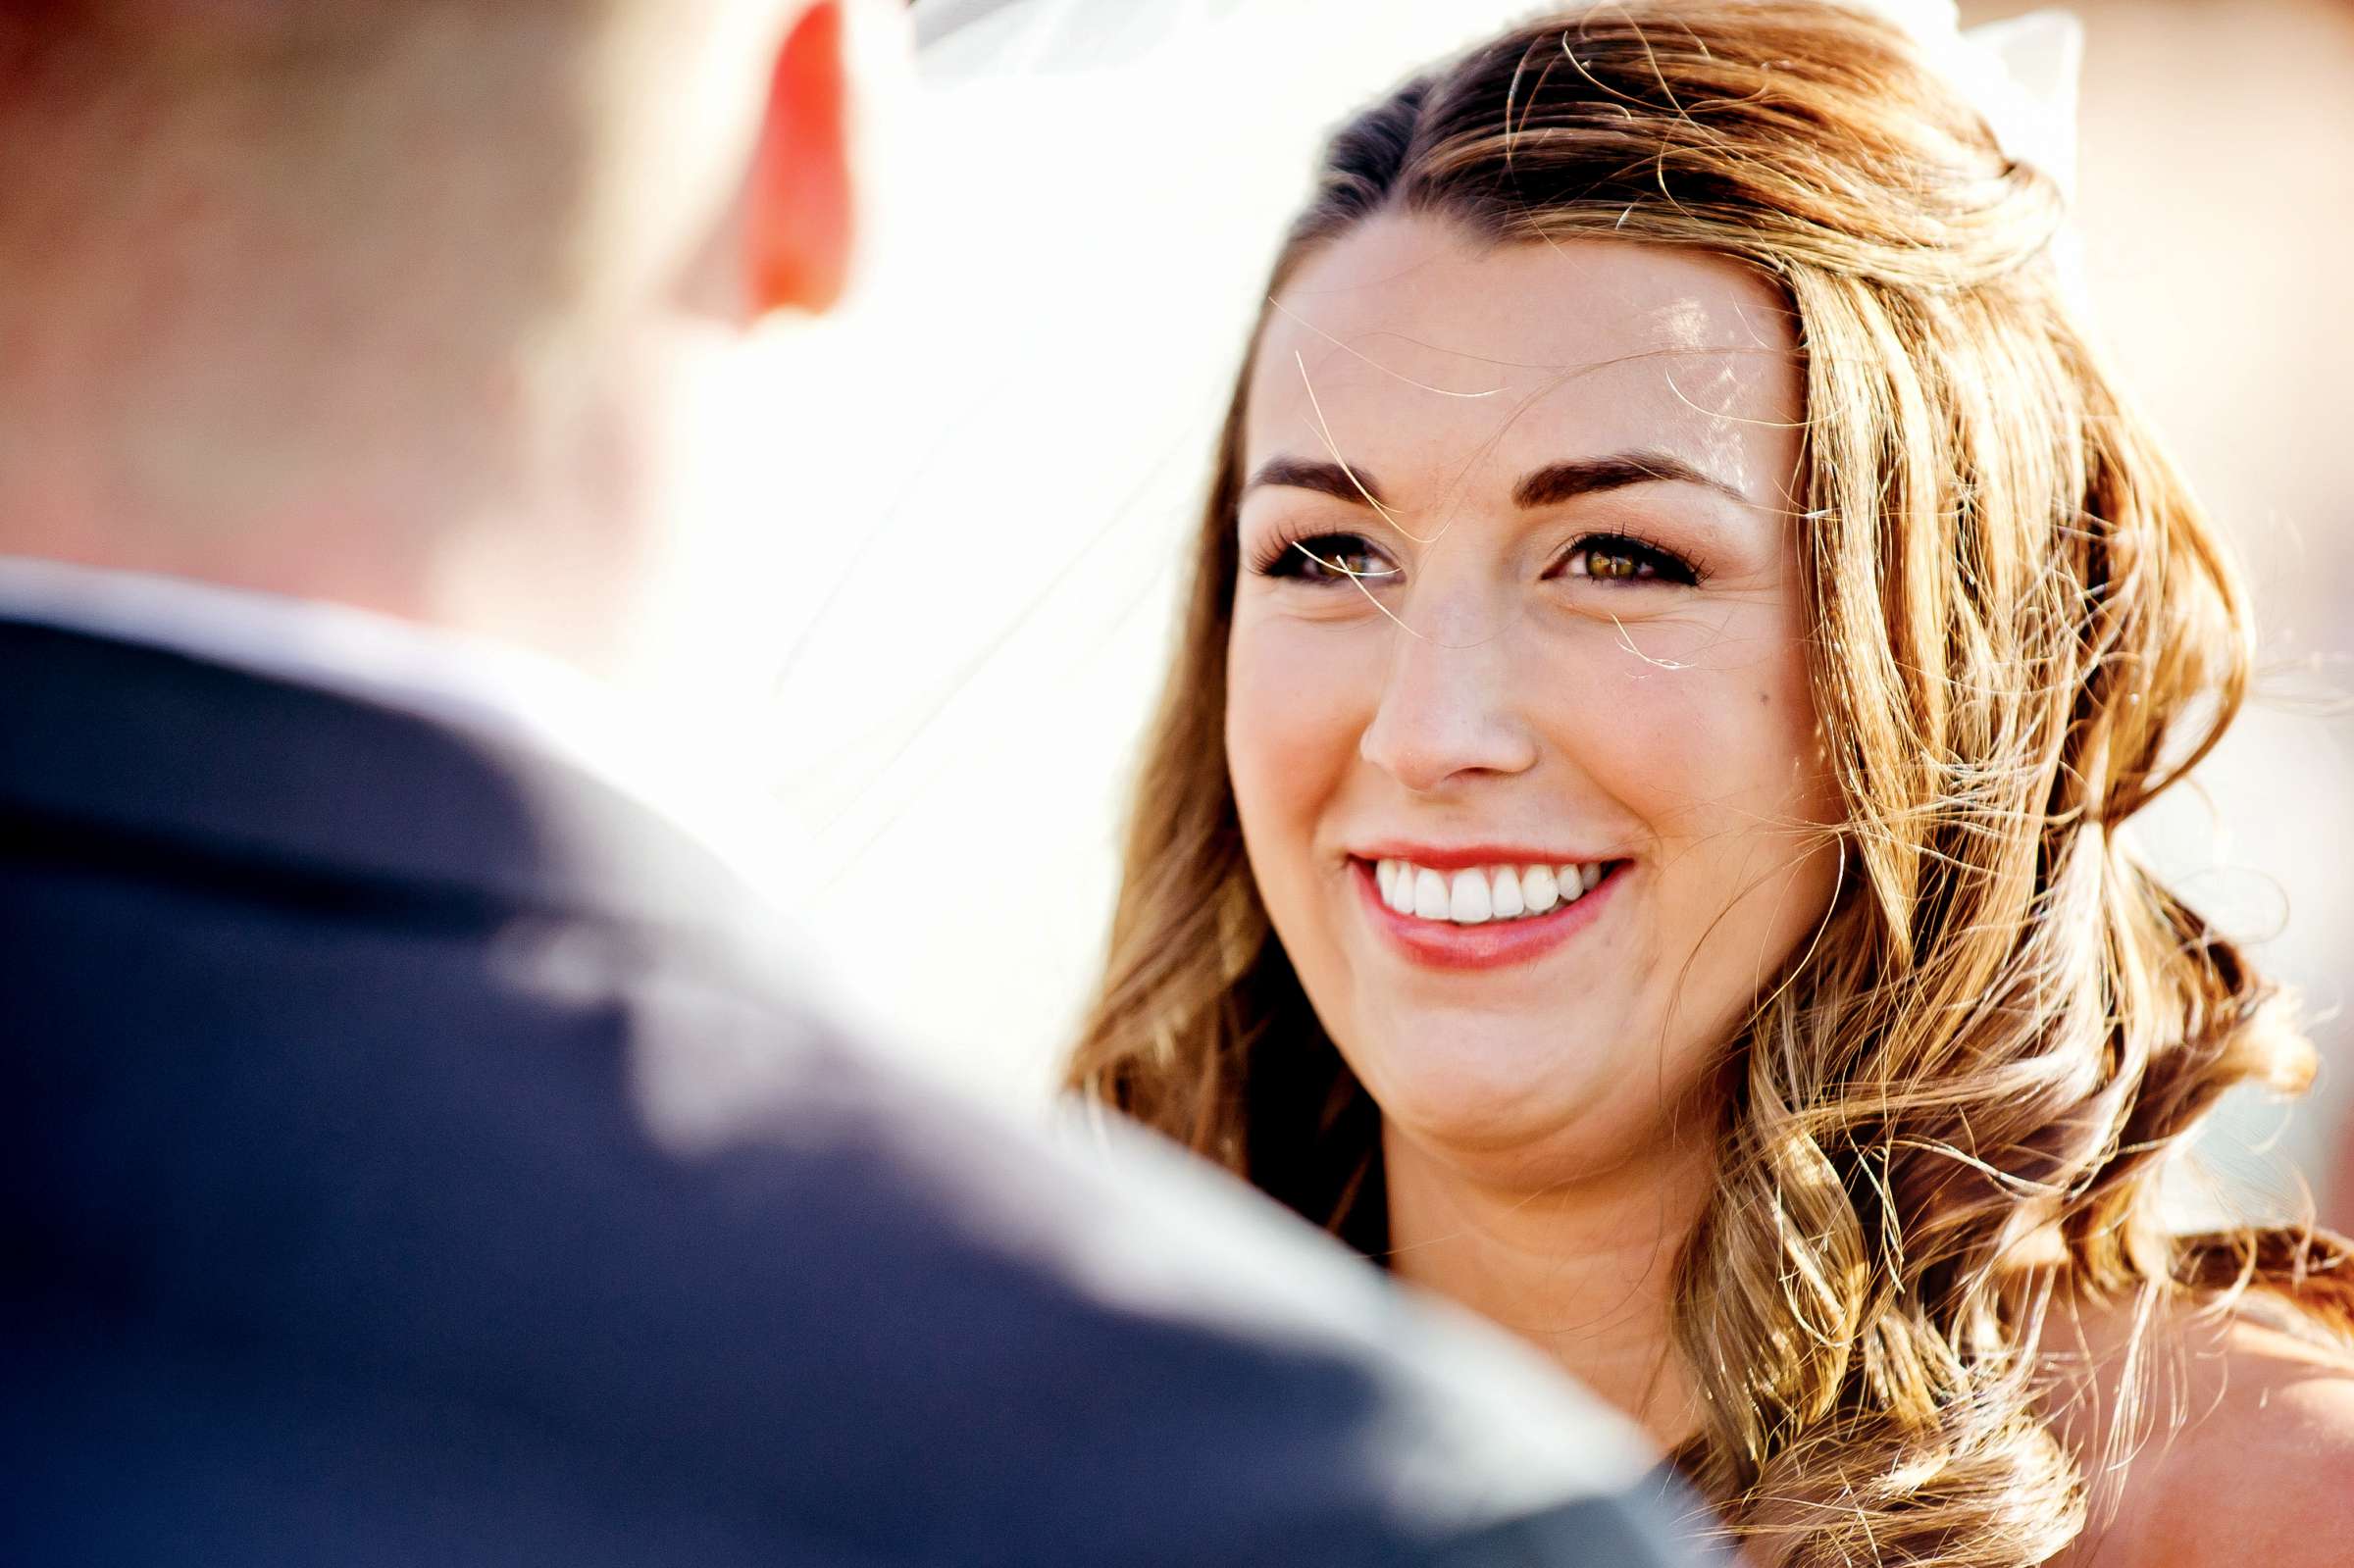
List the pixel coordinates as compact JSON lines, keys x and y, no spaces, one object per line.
{"x":2241,"y":1450}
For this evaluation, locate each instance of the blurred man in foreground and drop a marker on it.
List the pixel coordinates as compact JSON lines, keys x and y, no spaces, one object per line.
{"x":409,"y":1152}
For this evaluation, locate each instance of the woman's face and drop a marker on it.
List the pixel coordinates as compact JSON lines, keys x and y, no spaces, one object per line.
{"x":1536,"y":798}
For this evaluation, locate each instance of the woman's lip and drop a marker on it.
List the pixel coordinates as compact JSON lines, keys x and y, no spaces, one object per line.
{"x":1463,"y":857}
{"x":1497,"y":944}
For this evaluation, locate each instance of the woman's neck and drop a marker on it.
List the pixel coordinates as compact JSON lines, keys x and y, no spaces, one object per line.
{"x":1584,"y":1270}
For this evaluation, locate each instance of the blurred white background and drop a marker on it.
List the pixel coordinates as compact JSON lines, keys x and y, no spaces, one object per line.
{"x":974,"y":626}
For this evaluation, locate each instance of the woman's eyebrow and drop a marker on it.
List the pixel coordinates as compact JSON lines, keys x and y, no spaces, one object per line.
{"x":1549,"y":486}
{"x":1351,"y":484}
{"x":1562,"y":481}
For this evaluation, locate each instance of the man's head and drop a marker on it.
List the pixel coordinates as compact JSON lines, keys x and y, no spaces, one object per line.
{"x":391,"y":301}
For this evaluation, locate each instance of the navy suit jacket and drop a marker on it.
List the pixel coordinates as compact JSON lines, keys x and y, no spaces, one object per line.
{"x":408,"y":1156}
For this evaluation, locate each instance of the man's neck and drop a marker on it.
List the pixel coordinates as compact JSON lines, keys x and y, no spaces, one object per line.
{"x":405,"y":528}
{"x":1584,"y":1270}
{"x":253,"y":563}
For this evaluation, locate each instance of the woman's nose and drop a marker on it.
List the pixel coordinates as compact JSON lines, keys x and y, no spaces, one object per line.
{"x":1448,"y":713}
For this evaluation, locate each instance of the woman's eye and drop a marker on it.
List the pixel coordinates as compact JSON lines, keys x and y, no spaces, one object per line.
{"x":1331,"y":558}
{"x":1616,"y":558}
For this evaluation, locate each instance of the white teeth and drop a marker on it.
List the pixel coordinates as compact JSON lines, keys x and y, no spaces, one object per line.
{"x":1478,"y":895}
{"x":1504,"y":893}
{"x":1431,"y":900}
{"x":1468,"y":900}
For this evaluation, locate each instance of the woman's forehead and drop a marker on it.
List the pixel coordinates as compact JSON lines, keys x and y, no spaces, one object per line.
{"x":1410,"y":344}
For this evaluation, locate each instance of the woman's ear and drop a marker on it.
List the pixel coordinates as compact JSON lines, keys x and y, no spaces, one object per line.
{"x":800,"y":210}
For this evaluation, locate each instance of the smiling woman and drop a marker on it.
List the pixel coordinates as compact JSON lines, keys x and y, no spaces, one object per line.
{"x":1631,"y":839}
{"x":1577,"y":645}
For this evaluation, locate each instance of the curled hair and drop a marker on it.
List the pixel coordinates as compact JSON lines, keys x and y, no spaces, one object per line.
{"x":2024,"y":630}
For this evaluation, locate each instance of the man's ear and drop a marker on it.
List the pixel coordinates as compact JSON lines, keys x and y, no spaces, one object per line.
{"x":799,"y":220}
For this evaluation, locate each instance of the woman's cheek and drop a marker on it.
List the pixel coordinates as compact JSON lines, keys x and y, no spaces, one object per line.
{"x":1698,"y":747}
{"x":1291,"y":691}
{"x":1651,"y":738}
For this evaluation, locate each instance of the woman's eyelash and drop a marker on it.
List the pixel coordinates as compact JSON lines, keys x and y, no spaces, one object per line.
{"x":1625,"y":558}
{"x":1616,"y":558}
{"x":1324,"y":558}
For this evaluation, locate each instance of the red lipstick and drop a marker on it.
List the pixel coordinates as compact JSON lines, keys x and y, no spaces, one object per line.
{"x":1497,"y":944}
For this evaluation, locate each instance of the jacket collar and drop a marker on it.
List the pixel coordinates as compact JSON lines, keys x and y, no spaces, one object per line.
{"x":116,"y":750}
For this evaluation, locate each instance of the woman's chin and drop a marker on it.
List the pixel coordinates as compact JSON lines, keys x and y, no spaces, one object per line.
{"x":1486,"y":1085}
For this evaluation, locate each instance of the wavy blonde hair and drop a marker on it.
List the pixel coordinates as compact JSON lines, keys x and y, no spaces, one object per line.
{"x":2025,"y":630}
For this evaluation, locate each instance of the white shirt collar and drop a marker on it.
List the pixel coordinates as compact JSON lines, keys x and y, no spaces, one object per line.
{"x":470,"y":684}
{"x":474,"y":685}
